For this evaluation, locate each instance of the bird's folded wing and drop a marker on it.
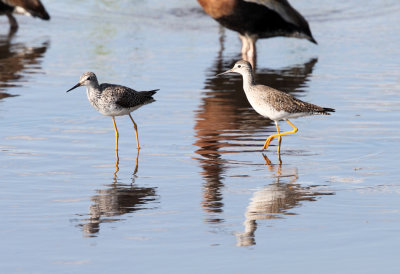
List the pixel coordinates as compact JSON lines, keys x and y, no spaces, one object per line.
{"x":281,"y":7}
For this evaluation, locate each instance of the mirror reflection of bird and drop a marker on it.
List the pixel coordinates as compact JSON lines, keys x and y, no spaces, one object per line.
{"x":19,"y":60}
{"x":255,"y":19}
{"x":33,"y":8}
{"x":276,"y":200}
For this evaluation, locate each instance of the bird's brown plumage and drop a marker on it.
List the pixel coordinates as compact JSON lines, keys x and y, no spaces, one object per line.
{"x":34,"y":7}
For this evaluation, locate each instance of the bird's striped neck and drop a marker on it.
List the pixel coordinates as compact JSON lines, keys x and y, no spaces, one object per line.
{"x":93,"y":92}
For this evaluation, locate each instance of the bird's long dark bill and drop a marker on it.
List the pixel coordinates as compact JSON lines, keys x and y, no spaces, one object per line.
{"x":226,"y":72}
{"x":74,"y":87}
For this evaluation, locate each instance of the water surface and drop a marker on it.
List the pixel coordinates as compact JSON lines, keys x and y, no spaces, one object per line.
{"x":199,"y":196}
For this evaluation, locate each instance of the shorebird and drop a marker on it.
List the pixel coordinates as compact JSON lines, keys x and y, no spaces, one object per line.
{"x":272,"y":103}
{"x":33,"y":8}
{"x":254,"y":19}
{"x":114,"y":100}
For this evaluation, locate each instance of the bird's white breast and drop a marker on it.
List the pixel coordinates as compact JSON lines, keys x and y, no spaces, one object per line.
{"x":263,"y":108}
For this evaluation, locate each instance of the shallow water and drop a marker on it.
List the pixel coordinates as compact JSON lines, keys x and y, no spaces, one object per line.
{"x":200,"y":196}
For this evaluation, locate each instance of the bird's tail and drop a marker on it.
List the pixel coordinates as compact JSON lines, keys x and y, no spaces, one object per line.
{"x":325,"y":111}
{"x":150,"y":92}
{"x":311,"y":39}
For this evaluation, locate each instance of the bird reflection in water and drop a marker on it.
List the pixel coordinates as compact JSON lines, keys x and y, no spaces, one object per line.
{"x":226,"y":123}
{"x":116,"y":200}
{"x":275,"y":200}
{"x":17,"y":60}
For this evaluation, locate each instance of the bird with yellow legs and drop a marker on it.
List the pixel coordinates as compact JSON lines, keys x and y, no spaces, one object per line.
{"x":114,"y":100}
{"x":274,"y":104}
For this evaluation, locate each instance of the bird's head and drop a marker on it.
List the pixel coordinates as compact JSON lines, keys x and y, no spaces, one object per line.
{"x":87,"y":79}
{"x":242,"y":67}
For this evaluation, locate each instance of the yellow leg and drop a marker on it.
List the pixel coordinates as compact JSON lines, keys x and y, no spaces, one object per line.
{"x":136,"y":132}
{"x":268,"y":141}
{"x":116,"y":138}
{"x":279,"y":138}
{"x":271,"y":137}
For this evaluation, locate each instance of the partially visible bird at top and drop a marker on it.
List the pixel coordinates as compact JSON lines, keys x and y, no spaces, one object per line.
{"x":254,"y":19}
{"x":114,"y":100}
{"x":33,"y":8}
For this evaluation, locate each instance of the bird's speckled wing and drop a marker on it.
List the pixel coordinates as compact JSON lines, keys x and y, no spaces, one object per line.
{"x":124,"y":96}
{"x":286,"y":102}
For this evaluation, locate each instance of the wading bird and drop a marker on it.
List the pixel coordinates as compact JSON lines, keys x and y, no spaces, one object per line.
{"x":114,"y":100}
{"x":272,"y":103}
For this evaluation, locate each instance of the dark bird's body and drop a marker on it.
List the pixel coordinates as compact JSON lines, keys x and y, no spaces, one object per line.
{"x":255,"y":19}
{"x":33,"y":8}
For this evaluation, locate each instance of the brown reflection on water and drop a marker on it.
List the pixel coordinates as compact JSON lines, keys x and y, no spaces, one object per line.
{"x":116,"y":200}
{"x":276,"y":199}
{"x":226,"y":123}
{"x":18,"y":59}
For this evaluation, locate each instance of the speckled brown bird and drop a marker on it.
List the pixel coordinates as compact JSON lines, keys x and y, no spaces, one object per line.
{"x":272,"y":103}
{"x":33,"y":8}
{"x":254,"y":19}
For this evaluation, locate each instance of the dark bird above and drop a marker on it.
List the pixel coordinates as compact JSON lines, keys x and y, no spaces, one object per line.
{"x":254,"y":19}
{"x":33,"y":8}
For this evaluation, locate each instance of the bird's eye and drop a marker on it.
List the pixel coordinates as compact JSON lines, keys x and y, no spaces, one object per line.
{"x":89,"y":78}
{"x":239,"y":66}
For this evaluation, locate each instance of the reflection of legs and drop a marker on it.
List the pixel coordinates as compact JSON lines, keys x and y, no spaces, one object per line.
{"x":136,"y":132}
{"x":269,"y":164}
{"x":268,"y":141}
{"x":267,"y":161}
{"x":116,"y":137}
{"x":137,"y":162}
{"x":116,"y":169}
